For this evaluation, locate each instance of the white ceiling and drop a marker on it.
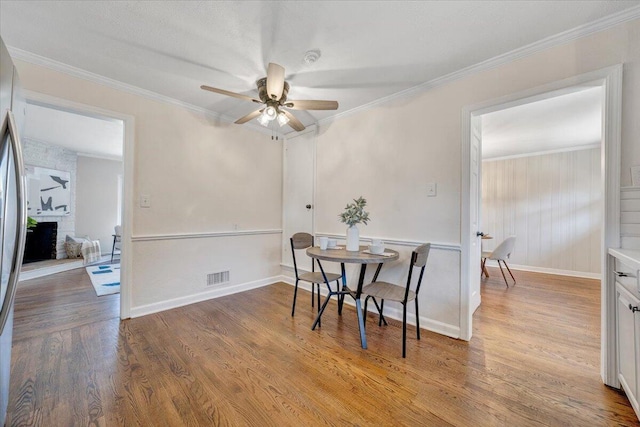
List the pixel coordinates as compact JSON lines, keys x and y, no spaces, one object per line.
{"x":369,"y":49}
{"x":553,"y":124}
{"x":80,"y":133}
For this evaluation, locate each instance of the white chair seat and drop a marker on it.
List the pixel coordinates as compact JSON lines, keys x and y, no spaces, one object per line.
{"x":316,"y":277}
{"x":501,"y":253}
{"x":386,"y":290}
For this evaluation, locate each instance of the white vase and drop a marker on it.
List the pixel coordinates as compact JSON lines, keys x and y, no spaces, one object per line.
{"x":353,"y":239}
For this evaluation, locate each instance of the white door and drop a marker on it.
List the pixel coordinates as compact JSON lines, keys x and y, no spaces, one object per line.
{"x":299,"y":166}
{"x":475,"y":204}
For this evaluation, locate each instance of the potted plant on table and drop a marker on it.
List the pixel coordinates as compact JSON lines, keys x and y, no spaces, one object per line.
{"x":354,"y":214}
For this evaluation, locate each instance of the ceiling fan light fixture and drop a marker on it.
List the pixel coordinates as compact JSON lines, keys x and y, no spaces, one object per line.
{"x":270,"y":112}
{"x":263,"y":120}
{"x":282,"y":119}
{"x":272,"y":93}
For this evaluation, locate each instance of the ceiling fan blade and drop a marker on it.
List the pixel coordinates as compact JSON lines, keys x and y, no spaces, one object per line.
{"x":312,"y":105}
{"x":233,"y":94}
{"x":293,"y":122}
{"x":248,"y":117}
{"x":275,"y":81}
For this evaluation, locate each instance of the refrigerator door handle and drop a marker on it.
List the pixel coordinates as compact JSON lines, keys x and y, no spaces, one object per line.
{"x":9,"y":125}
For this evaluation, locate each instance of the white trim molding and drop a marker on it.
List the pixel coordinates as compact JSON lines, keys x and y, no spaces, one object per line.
{"x":555,"y":271}
{"x":456,"y":247}
{"x":426,"y":323}
{"x":58,"y":268}
{"x":155,"y":237}
{"x":70,"y":70}
{"x":542,"y":153}
{"x":546,"y":43}
{"x":143,"y":310}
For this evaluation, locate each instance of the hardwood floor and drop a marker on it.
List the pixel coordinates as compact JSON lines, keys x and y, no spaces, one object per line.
{"x":243,"y":360}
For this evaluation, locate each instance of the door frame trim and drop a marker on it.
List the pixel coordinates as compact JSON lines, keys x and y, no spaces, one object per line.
{"x":314,"y":129}
{"x":610,"y":79}
{"x":128,"y":153}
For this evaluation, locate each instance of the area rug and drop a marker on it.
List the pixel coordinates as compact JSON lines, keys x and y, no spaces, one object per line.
{"x":105,"y":278}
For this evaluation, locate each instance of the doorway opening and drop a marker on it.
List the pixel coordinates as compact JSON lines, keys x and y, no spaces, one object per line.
{"x":540,"y":182}
{"x":94,"y":147}
{"x":610,"y":81}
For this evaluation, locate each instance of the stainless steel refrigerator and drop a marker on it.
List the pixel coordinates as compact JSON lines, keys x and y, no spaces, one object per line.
{"x":12,"y":212}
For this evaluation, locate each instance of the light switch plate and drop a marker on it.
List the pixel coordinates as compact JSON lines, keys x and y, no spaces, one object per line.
{"x":431,"y":189}
{"x":145,"y":201}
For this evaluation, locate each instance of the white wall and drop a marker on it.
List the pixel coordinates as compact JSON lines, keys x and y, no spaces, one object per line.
{"x":203,"y":178}
{"x":97,"y":199}
{"x":552,"y":203}
{"x":390,"y":152}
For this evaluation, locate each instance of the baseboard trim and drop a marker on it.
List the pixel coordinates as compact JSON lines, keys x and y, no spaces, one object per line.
{"x":144,"y":310}
{"x":570,"y":273}
{"x":392,"y":313}
{"x":47,"y":271}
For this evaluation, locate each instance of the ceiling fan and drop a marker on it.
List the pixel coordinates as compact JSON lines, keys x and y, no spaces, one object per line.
{"x":272,"y":91}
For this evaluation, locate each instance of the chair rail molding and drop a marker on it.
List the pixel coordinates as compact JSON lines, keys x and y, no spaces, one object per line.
{"x":398,"y":242}
{"x":202,"y":235}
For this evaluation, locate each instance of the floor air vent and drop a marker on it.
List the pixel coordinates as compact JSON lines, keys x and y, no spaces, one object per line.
{"x":217,"y":278}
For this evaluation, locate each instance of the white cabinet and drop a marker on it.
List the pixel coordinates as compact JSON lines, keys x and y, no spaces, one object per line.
{"x":628,"y":341}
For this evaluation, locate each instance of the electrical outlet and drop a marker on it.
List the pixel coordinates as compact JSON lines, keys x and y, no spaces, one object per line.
{"x":145,"y":201}
{"x":431,"y":189}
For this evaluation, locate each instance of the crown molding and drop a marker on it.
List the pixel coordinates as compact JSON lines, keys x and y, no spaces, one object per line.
{"x":544,"y":152}
{"x":71,"y":151}
{"x":546,"y":43}
{"x":100,"y":156}
{"x":54,"y":65}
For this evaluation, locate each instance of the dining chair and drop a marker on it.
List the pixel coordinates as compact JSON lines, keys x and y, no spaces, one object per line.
{"x":316,"y":278}
{"x":117,"y":238}
{"x":501,"y":253}
{"x":402,"y":294}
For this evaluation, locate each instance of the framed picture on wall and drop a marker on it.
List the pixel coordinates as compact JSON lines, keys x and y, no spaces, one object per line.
{"x":635,"y":176}
{"x":48,"y":192}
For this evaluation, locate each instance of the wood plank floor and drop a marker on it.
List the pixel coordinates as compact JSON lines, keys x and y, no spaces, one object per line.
{"x":243,"y":360}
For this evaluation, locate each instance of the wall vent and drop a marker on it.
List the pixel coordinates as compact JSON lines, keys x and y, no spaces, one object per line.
{"x":217,"y":278}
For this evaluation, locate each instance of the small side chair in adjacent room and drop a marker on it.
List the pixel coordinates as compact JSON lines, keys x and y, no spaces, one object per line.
{"x":316,"y":278}
{"x":402,"y":294}
{"x":501,"y":253}
{"x":117,"y":240}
